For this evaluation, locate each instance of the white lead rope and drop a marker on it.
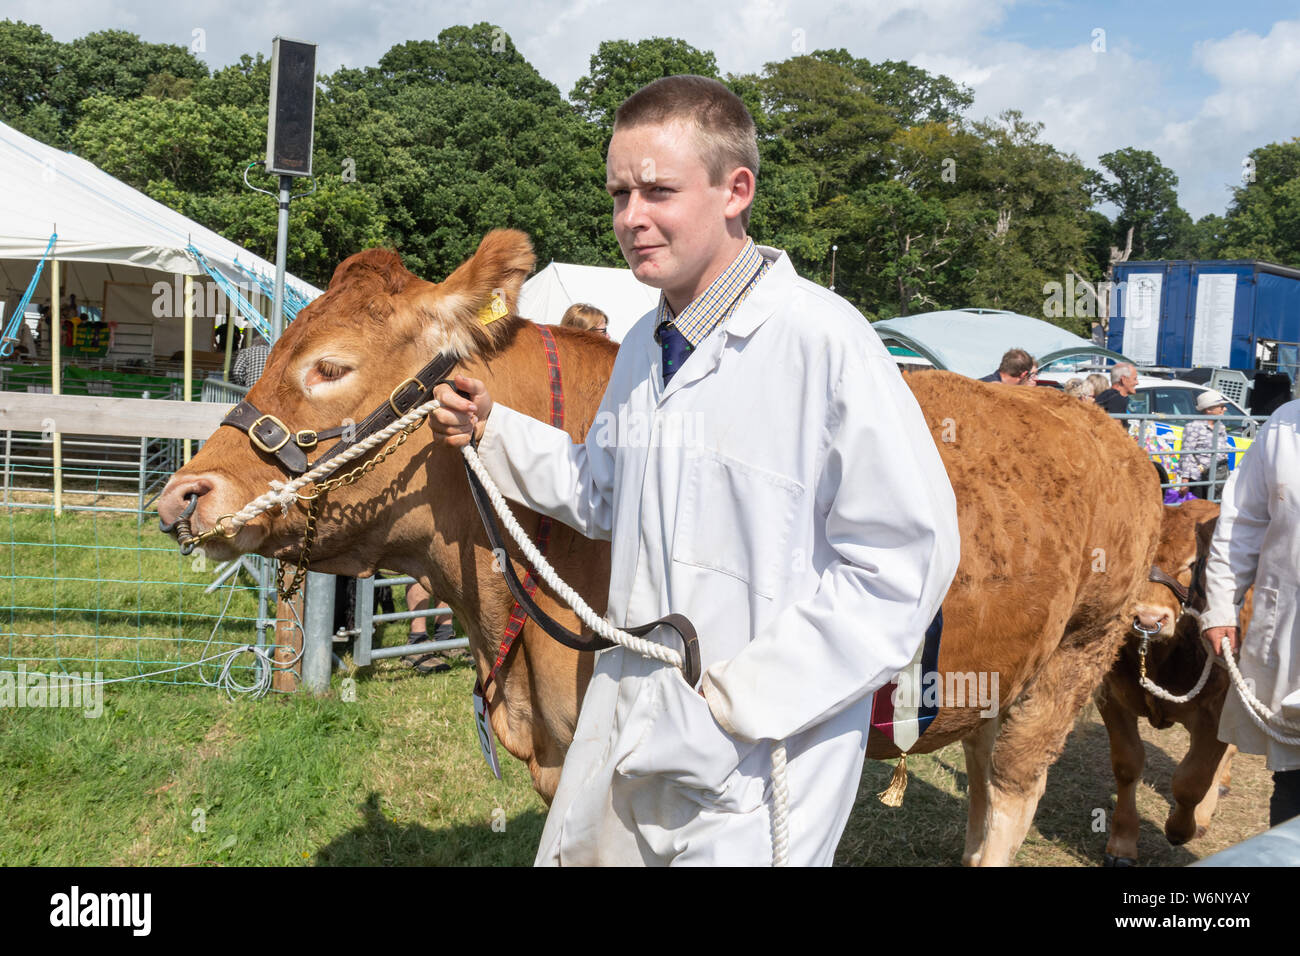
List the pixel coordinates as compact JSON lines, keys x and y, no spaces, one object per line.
{"x":283,"y":494}
{"x":780,"y":786}
{"x":1258,"y":711}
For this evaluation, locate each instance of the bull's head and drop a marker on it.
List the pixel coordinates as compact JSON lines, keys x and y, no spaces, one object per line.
{"x":1177,"y":585}
{"x":342,"y":358}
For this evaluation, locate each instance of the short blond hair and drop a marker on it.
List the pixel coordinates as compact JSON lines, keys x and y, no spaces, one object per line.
{"x":583,"y":316}
{"x":724,"y":128}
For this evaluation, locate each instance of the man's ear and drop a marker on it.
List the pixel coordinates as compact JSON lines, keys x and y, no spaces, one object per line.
{"x":487,"y":285}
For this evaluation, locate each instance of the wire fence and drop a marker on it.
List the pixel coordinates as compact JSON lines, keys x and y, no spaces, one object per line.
{"x":1186,"y":472}
{"x":97,"y":589}
{"x":99,"y":592}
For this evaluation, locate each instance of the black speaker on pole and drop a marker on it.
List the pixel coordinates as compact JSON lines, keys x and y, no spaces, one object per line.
{"x":293,"y":107}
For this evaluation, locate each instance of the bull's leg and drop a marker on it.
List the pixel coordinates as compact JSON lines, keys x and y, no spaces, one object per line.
{"x":1127,"y":757}
{"x":978,"y":747}
{"x":1033,"y":734}
{"x":1195,"y":784}
{"x":1225,"y":771}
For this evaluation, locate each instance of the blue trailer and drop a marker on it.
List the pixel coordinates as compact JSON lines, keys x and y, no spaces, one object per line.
{"x":1185,"y":314}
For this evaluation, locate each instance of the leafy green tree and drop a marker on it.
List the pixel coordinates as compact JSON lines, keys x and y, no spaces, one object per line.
{"x":29,"y":59}
{"x":481,"y":55}
{"x":620,"y":67}
{"x":911,"y":95}
{"x":1263,"y":220}
{"x":1146,"y":193}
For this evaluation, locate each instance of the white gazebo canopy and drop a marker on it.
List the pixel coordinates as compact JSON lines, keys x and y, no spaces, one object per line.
{"x":107,"y":231}
{"x":616,"y":292}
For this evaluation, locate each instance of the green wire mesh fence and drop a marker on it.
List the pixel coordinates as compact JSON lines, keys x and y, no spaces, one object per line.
{"x":101,"y":591}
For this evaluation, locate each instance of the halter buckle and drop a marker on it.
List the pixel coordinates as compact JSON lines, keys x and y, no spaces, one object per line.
{"x":259,"y":443}
{"x":302,"y":440}
{"x":392,"y":396}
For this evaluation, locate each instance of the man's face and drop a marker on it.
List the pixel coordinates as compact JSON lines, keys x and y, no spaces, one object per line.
{"x":1130,"y":382}
{"x":671,"y":223}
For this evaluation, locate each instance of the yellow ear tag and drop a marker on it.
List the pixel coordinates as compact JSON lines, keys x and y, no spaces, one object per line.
{"x":494,"y":310}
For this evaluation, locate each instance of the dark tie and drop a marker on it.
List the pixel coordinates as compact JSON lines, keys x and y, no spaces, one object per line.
{"x":675,"y":349}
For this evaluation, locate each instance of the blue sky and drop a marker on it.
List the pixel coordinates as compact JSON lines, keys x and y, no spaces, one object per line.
{"x":1198,"y":83}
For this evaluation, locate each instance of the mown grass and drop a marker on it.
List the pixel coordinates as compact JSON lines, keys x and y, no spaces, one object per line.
{"x":87,"y":591}
{"x":183,"y":776}
{"x":395,"y":777}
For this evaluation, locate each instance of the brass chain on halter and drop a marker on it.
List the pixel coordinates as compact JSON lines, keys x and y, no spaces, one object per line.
{"x":304,"y":557}
{"x":313,"y":504}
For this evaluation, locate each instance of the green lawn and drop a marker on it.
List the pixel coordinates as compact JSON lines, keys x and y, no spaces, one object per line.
{"x":394,"y":776}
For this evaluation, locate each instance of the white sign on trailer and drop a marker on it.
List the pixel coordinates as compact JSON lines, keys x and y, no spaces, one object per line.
{"x":1142,"y":316}
{"x":1216,"y":294}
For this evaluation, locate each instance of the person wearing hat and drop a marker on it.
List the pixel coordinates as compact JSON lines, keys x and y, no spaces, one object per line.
{"x":1197,"y":462}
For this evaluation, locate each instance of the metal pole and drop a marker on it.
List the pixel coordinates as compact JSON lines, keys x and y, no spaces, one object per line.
{"x":281,"y":257}
{"x":56,"y":376}
{"x":318,"y":632}
{"x":189,"y":349}
{"x":834,"y":249}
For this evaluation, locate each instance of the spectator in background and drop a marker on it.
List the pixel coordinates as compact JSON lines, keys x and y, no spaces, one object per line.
{"x":1123,"y":383}
{"x":1018,"y":368}
{"x":417,"y":599}
{"x":1098,"y":382}
{"x":588,"y":317}
{"x":1078,"y":388}
{"x":250,"y":362}
{"x":1202,"y":436}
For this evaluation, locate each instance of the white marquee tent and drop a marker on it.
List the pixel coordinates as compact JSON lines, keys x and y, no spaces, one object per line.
{"x":114,"y":243}
{"x":616,"y":292}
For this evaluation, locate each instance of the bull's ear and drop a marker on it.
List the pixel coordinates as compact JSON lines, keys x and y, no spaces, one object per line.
{"x":492,"y":277}
{"x":1205,"y":534}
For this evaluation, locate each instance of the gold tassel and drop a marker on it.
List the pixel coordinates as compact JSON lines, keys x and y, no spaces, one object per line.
{"x":893,"y":795}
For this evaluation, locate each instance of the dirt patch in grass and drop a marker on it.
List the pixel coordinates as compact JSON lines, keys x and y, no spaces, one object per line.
{"x":1070,"y":825}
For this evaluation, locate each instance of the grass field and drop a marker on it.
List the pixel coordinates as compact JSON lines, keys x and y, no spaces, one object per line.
{"x":395,"y":778}
{"x":181,"y":775}
{"x":100,"y":591}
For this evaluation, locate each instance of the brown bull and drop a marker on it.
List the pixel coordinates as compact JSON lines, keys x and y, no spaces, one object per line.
{"x":1174,"y":661}
{"x":1053,"y":548}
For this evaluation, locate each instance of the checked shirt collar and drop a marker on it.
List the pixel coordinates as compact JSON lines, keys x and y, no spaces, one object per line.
{"x":716,"y":303}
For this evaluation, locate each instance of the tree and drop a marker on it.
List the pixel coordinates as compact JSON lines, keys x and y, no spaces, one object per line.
{"x":1263,"y":220}
{"x":620,"y":67}
{"x":481,"y":55}
{"x":1145,"y":190}
{"x":911,"y":95}
{"x":29,"y":59}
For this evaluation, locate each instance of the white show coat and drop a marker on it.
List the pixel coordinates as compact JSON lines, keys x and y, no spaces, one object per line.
{"x":784,"y":493}
{"x":1257,"y":541}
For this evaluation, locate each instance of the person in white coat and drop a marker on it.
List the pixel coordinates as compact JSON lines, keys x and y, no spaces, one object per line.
{"x":1257,"y":542}
{"x":760,"y":466}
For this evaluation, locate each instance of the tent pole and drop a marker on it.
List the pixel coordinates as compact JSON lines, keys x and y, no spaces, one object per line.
{"x":230,"y":336}
{"x":189,"y":350}
{"x":56,"y":384}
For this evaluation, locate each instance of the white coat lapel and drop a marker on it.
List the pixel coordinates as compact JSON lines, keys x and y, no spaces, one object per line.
{"x":759,"y":305}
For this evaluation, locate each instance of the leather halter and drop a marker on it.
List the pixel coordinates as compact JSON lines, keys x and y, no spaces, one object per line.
{"x":1185,"y":595}
{"x":270,"y":435}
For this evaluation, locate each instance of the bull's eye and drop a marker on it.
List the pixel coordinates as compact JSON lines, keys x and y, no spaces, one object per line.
{"x":325,"y":371}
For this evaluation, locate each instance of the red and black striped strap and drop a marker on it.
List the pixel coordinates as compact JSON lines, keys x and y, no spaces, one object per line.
{"x":518,"y":616}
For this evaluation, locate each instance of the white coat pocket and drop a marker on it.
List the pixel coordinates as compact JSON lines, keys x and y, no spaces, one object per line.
{"x":736,"y":519}
{"x":680,"y":742}
{"x":1260,"y":641}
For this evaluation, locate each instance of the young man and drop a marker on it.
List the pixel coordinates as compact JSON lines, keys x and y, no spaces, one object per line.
{"x":807,"y":527}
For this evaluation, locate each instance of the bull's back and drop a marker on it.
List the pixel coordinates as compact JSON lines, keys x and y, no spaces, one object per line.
{"x":1059,"y":513}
